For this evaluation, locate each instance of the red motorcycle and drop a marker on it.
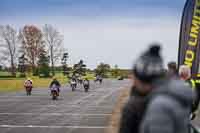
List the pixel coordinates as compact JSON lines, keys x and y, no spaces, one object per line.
{"x":28,"y":89}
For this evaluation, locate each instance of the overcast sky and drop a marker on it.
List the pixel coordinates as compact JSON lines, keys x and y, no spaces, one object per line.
{"x":109,"y":31}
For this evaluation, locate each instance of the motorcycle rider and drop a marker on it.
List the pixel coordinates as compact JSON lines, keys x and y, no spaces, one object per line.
{"x":56,"y":83}
{"x":86,"y":83}
{"x":28,"y":84}
{"x":99,"y":78}
{"x":168,"y":103}
{"x":73,"y":82}
{"x":80,"y":80}
{"x":28,"y":81}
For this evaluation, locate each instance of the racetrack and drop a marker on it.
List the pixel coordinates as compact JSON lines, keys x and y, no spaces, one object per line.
{"x":73,"y":112}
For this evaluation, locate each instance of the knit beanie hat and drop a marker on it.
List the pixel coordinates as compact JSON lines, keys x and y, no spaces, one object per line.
{"x":149,"y":66}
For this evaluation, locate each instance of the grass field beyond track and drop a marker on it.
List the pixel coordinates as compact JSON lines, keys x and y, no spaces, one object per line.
{"x":16,"y":84}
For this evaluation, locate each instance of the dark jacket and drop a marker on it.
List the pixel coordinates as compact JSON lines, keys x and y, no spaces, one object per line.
{"x":86,"y":82}
{"x":132,"y":113}
{"x":195,"y":85}
{"x":55,"y":82}
{"x":197,"y":101}
{"x":168,"y":108}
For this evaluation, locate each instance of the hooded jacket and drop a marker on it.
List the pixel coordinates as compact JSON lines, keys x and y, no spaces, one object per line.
{"x":132,"y":113}
{"x":168,"y":108}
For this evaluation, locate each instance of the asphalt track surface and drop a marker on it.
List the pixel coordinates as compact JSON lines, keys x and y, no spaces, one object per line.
{"x":73,"y":112}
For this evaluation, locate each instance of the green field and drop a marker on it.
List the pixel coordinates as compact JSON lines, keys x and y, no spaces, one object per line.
{"x":8,"y":84}
{"x":16,"y":84}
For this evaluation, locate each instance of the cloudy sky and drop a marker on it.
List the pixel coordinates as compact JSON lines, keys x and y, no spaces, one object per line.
{"x":109,"y":31}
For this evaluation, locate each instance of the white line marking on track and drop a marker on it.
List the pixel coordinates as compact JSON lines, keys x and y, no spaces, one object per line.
{"x":38,"y":126}
{"x":106,"y":95}
{"x":11,"y":100}
{"x":65,"y":106}
{"x":22,"y":96}
{"x":55,"y":114}
{"x":82,"y":99}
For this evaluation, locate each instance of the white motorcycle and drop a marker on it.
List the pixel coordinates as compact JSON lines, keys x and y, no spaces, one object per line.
{"x":73,"y":85}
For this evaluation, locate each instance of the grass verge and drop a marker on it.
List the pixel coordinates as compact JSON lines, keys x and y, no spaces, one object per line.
{"x":116,"y":114}
{"x":16,"y":84}
{"x":9,"y":85}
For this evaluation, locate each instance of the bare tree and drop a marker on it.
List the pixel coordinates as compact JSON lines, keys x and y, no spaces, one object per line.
{"x":8,"y":36}
{"x":54,"y":41}
{"x":32,"y":44}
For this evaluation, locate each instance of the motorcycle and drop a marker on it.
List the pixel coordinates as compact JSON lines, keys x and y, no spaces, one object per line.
{"x":28,"y":90}
{"x":54,"y":92}
{"x":73,"y":85}
{"x":100,"y":80}
{"x":80,"y":81}
{"x":120,"y":78}
{"x":86,"y":86}
{"x":28,"y":86}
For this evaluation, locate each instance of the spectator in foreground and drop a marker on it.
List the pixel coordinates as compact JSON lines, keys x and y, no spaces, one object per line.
{"x":166,"y":103}
{"x":143,"y":78}
{"x":167,"y":108}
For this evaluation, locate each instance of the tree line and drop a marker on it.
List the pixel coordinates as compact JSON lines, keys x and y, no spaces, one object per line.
{"x":35,"y":50}
{"x":30,"y":46}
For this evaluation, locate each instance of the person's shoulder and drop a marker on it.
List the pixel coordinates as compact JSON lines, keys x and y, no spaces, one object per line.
{"x":180,"y":87}
{"x":180,"y":83}
{"x":134,"y":104}
{"x":162,"y":103}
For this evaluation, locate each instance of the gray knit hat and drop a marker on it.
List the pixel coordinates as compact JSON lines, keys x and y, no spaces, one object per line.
{"x":149,"y":66}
